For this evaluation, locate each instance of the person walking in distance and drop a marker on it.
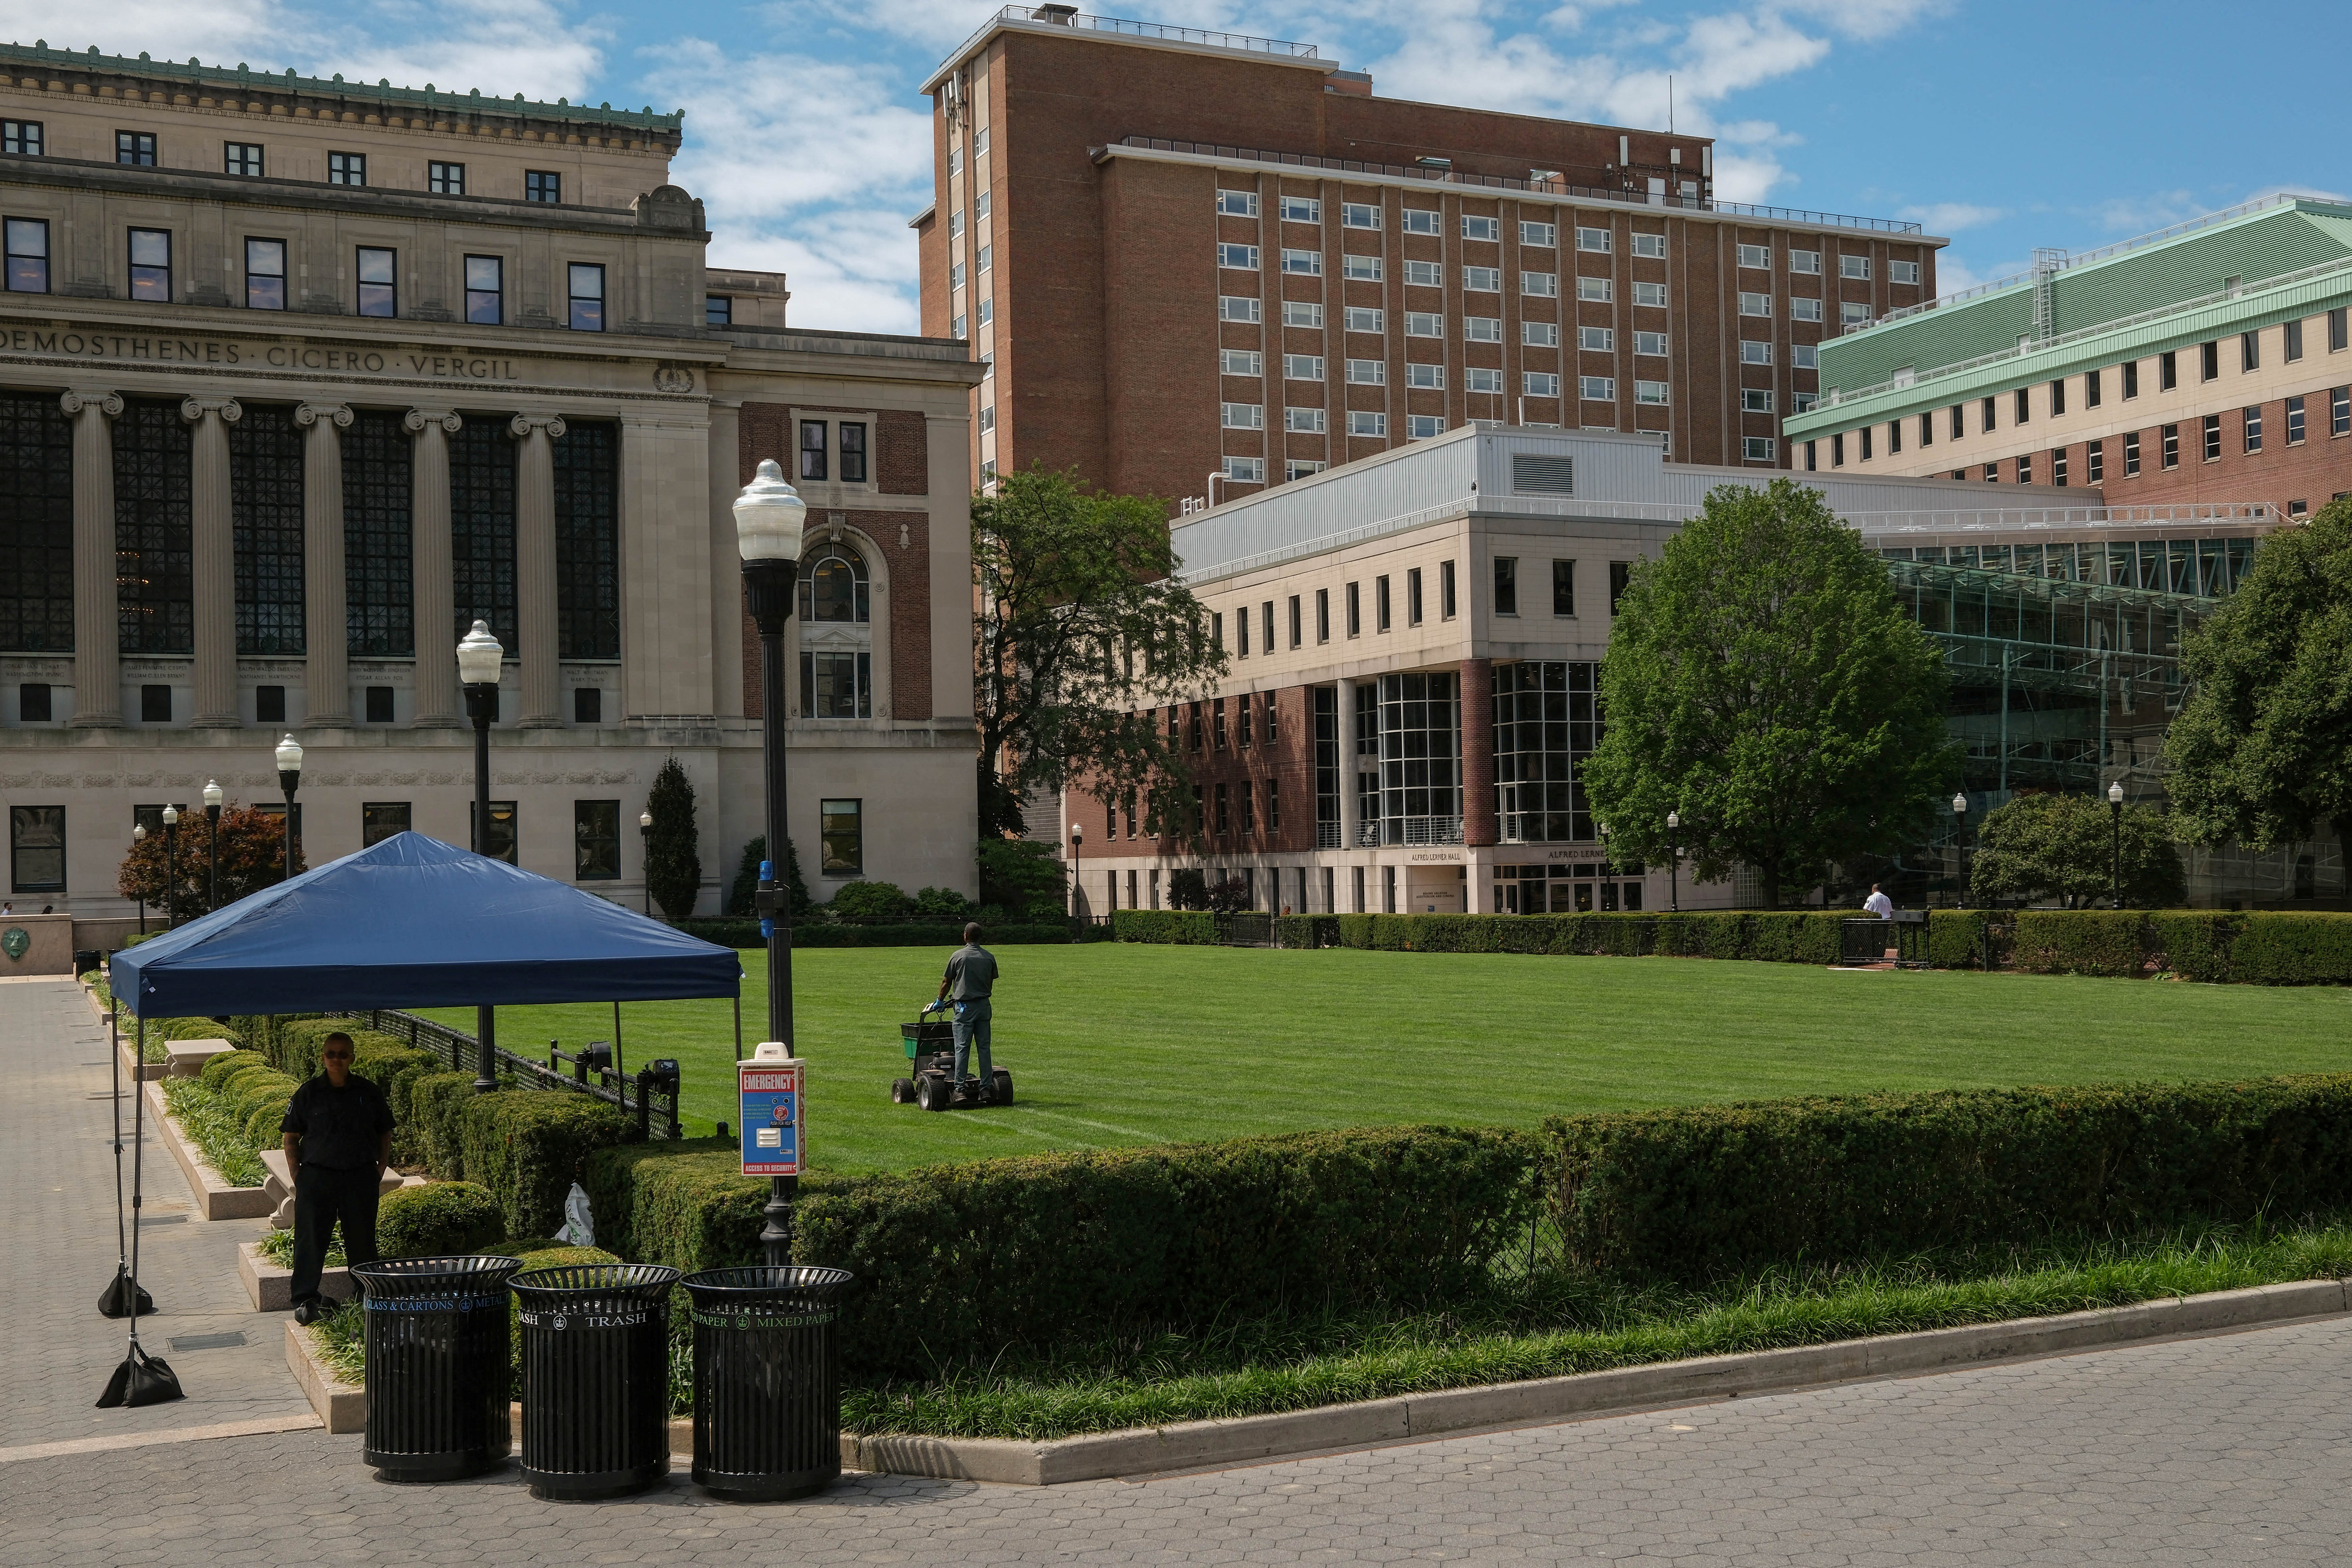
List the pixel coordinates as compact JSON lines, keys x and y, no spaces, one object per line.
{"x":1879,"y":903}
{"x":338,"y":1133}
{"x":972,"y":976}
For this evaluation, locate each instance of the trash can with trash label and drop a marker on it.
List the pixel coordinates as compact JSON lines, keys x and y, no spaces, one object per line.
{"x":767,"y":1380}
{"x":438,"y":1361}
{"x":595,"y":1378}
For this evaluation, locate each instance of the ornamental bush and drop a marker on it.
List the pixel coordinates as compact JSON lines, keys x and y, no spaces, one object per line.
{"x":214,"y":1074}
{"x":438,"y":1219}
{"x":882,"y":902}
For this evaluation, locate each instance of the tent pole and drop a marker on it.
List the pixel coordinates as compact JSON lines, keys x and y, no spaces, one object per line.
{"x":617,"y":1036}
{"x":486,"y":1036}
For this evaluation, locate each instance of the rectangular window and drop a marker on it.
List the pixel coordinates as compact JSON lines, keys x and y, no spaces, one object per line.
{"x":486,"y":290}
{"x":1803,"y":310}
{"x":1756,"y":304}
{"x":1650,"y":294}
{"x":1445,"y":590}
{"x":1422,"y":426}
{"x":1237,"y":308}
{"x":1596,"y":290}
{"x":2340,"y":411}
{"x":1478,"y":378}
{"x":1595,"y":240}
{"x":1304,"y":263}
{"x":1755,"y":256}
{"x":1854,"y":266}
{"x":265,"y":275}
{"x":1428,"y":376}
{"x":2208,"y":361}
{"x":842,"y":825}
{"x":1426,"y":274}
{"x":987,"y":259}
{"x":1654,"y":393}
{"x":1362,"y":269}
{"x":1650,"y":245}
{"x":1986,"y":410}
{"x":1295,"y":640}
{"x":1380,"y":603}
{"x":1802,"y":403}
{"x":1621,"y":577}
{"x":1927,"y":429}
{"x":1837,"y":450}
{"x":1597,"y":339}
{"x":1245,"y":470}
{"x":1506,"y":583}
{"x":1866,"y":432}
{"x":1248,"y":789}
{"x":1757,"y":448}
{"x":2095,"y":463}
{"x":955,"y":275}
{"x":595,"y":840}
{"x":2212,"y":449}
{"x":1543,"y":234}
{"x":1412,"y":597}
{"x":1812,"y":457}
{"x":1224,"y":814}
{"x":2250,"y":352}
{"x":1322,"y":614}
{"x":1805,"y":261}
{"x":2024,"y":470}
{"x":347,"y":168}
{"x":2294,"y":421}
{"x":1239,"y":258}
{"x":2091,"y":389}
{"x":1804,"y":356}
{"x":1304,"y":421}
{"x":37,"y":848}
{"x":135,"y":147}
{"x":1755,"y":353}
{"x":2168,"y":370}
{"x":2293,"y":332}
{"x":1958,"y":428}
{"x":1423,"y":324}
{"x":1301,"y":313}
{"x":1539,"y":334}
{"x":587,"y":296}
{"x":1367,"y":372}
{"x":587,"y":705}
{"x":446,"y":179}
{"x":151,"y":264}
{"x":1853,"y":315}
{"x":1238,"y":203}
{"x":28,"y":255}
{"x":1359,"y":214}
{"x":852,"y":441}
{"x":1355,"y":611}
{"x":242,"y":159}
{"x":2252,"y":418}
{"x":1902,"y":272}
{"x":1481,"y":228}
{"x":2131,"y":379}
{"x":2057,"y":398}
{"x":382,"y":819}
{"x":1301,"y":209}
{"x":1241,"y":362}
{"x":1302,"y":367}
{"x":813,"y":449}
{"x":1266,"y":626}
{"x":1563,"y":588}
{"x":1759,"y":400}
{"x":378,"y":274}
{"x":269,"y":701}
{"x":21,"y":138}
{"x":1481,"y":328}
{"x":1542,"y":285}
{"x":2172,"y":454}
{"x":2024,"y":409}
{"x":1240,"y":650}
{"x":2058,"y":465}
{"x":155,"y":704}
{"x":543,"y":185}
{"x":2131,"y":454}
{"x":1362,"y":422}
{"x":1482,"y":280}
{"x":33,"y":706}
{"x":1540,"y":383}
{"x":1363,"y":319}
{"x":377,"y":706}
{"x":1597,"y":388}
{"x":1422,"y":220}
{"x":1243,"y":416}
{"x":2339,"y":329}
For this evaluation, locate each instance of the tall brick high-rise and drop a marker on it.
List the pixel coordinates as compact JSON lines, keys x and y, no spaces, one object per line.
{"x":1183,"y":254}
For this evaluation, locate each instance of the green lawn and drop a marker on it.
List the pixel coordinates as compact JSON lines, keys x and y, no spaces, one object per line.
{"x":1118,"y":1044}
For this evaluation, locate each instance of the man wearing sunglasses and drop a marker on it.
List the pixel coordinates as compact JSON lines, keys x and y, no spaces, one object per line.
{"x":338,"y":1132}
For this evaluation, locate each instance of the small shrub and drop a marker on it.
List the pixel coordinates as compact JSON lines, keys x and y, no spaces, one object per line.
{"x":687,"y":1204}
{"x":265,"y":1128}
{"x":882,"y":902}
{"x":943,"y":904}
{"x":435,"y":1104}
{"x":528,"y":1146}
{"x":1229,"y":896}
{"x":1187,"y":889}
{"x":1022,"y":877}
{"x":437,"y":1219}
{"x":214,"y":1074}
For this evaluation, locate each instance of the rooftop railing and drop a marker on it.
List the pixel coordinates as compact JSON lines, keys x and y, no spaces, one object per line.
{"x":1082,"y":22}
{"x":2013,"y":520}
{"x":1452,"y":176}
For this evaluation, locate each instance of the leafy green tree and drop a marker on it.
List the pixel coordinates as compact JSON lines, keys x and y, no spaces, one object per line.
{"x":2063,"y":846}
{"x":673,"y":865}
{"x":742,"y":894}
{"x":1187,"y":889}
{"x":252,"y":857}
{"x":1083,"y":628}
{"x":1763,"y":682}
{"x":1021,"y":876}
{"x":943,"y":905}
{"x":2262,"y":752}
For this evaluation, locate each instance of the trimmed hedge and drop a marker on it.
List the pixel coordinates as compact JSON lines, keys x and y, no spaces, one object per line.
{"x":528,"y":1146}
{"x":746,"y":933}
{"x":438,"y":1219}
{"x":957,"y":1261}
{"x":1183,"y":928}
{"x":2080,"y":942}
{"x":214,"y":1074}
{"x":1786,"y":936}
{"x":684,"y":1204}
{"x":435,"y":1100}
{"x":1703,"y":1191}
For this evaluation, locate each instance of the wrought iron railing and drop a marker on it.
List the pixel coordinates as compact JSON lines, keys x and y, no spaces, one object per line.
{"x":1414,"y":830}
{"x":649,"y":1096}
{"x":1326,"y":835}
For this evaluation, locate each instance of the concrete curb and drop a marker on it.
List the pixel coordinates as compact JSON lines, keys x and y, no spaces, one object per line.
{"x":1255,"y":1438}
{"x":271,"y":1288}
{"x":216,"y":1197}
{"x":127,"y":1048}
{"x":342,"y":1407}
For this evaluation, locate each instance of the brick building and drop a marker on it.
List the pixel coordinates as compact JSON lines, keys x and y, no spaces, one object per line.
{"x":1182,"y":254}
{"x":2211,"y":361}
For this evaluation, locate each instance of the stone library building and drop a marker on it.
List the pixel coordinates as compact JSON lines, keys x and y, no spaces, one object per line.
{"x":300,"y":378}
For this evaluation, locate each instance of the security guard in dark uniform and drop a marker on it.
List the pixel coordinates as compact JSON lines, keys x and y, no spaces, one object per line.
{"x":338,"y":1132}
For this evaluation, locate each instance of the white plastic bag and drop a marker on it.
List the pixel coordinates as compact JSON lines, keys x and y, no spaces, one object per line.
{"x":579,"y":1225}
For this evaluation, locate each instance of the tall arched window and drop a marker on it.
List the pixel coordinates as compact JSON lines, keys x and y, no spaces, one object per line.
{"x":836,"y":634}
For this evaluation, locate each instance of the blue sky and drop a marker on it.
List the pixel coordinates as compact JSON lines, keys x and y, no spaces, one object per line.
{"x":2002,"y":125}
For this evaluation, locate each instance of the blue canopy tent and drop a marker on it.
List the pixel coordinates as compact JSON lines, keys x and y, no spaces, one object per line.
{"x":415,"y":922}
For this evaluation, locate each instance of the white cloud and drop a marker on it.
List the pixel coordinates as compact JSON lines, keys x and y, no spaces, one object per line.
{"x":2155,"y":209}
{"x":1867,"y":19}
{"x":1950,"y":217}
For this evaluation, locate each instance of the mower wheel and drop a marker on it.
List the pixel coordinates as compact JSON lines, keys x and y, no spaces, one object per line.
{"x":902,"y":1091}
{"x":1001,"y":1088}
{"x":933,"y":1093}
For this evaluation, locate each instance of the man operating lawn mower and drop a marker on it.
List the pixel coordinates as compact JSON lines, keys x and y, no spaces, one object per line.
{"x":972,"y":976}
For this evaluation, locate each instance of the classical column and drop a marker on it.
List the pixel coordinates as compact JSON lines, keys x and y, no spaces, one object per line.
{"x":542,"y":684}
{"x":1350,"y":809}
{"x":1477,"y":753}
{"x":212,"y":560}
{"x":327,"y":668}
{"x":97,"y":627}
{"x":431,"y":588}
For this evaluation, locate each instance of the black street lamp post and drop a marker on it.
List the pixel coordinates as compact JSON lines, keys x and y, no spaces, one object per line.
{"x":290,"y":779}
{"x":646,"y":833}
{"x":2116,"y":866}
{"x":770,"y":518}
{"x":212,"y":816}
{"x":1077,"y":870}
{"x":1673,"y":862}
{"x":480,"y":660}
{"x":170,"y":867}
{"x":139,"y":837}
{"x":1960,"y":840}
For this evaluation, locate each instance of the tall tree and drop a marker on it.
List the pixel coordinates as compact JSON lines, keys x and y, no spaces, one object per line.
{"x":1081,"y":623}
{"x":1763,"y":682}
{"x":252,"y":857}
{"x":2066,"y":847}
{"x":2262,"y":752}
{"x":673,"y":861}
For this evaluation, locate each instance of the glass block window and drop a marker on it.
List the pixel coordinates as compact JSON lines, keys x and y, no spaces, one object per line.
{"x":265,"y":464}
{"x":37,"y":598}
{"x":1420,"y":750}
{"x":482,"y":530}
{"x":379,"y":603}
{"x":1547,"y":721}
{"x":587,"y":541}
{"x":154,"y":592}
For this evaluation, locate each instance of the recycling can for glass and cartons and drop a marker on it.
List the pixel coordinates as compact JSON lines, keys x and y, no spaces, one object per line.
{"x":437,"y":1360}
{"x":595,"y":1378}
{"x":767,"y":1381}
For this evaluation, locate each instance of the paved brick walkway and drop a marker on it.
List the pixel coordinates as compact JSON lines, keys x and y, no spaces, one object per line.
{"x":57,"y":1249}
{"x":2229,"y":1449}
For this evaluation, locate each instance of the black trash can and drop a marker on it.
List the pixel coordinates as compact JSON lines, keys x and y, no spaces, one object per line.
{"x":767,"y":1381}
{"x":437,"y":1359}
{"x":595,"y":1378}
{"x":86,"y":960}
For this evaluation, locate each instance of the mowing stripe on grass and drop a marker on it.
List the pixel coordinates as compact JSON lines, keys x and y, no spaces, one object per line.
{"x":1100,"y":1126}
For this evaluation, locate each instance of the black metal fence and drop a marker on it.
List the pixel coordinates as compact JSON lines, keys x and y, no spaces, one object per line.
{"x":1242,"y":930}
{"x":649,"y":1096}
